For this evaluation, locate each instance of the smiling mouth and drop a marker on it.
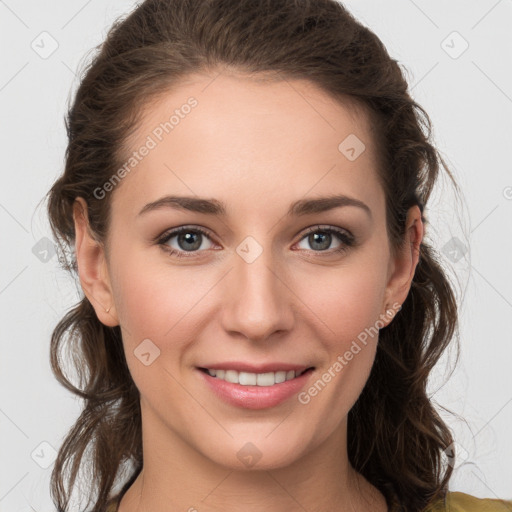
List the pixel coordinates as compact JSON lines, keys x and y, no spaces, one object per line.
{"x":255,"y":379}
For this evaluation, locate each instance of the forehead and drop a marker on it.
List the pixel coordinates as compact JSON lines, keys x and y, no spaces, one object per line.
{"x":230,"y":136}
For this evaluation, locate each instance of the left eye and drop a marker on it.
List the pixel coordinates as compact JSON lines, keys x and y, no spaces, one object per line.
{"x":320,"y":239}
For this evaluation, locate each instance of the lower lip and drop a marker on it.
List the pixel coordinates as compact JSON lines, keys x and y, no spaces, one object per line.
{"x":255,"y":397}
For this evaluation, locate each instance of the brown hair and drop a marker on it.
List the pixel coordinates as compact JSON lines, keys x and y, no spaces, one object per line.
{"x":396,"y":438}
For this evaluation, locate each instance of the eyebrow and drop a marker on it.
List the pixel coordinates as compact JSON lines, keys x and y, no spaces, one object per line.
{"x":215,"y":207}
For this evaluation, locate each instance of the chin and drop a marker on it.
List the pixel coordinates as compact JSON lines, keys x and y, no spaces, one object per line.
{"x":257,"y":452}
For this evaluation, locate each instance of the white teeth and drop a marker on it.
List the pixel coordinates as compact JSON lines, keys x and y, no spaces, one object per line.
{"x":231,"y":376}
{"x":254,"y":379}
{"x":280,"y":377}
{"x":248,"y":379}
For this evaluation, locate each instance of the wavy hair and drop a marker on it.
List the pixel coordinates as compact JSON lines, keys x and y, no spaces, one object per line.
{"x":396,"y":438}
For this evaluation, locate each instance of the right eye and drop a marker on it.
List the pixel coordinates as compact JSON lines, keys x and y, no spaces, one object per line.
{"x":188,"y":240}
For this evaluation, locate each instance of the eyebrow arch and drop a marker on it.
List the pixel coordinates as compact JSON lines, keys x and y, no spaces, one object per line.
{"x":215,"y":207}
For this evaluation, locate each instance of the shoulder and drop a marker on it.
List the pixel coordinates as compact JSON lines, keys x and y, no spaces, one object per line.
{"x":462,"y":502}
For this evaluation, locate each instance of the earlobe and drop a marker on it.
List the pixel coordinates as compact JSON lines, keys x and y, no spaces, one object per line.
{"x":403,"y":264}
{"x":92,"y":268}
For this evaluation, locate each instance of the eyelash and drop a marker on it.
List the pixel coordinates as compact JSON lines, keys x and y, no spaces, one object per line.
{"x":347,"y":240}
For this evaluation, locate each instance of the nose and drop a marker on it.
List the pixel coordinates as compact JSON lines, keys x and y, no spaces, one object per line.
{"x":258,"y":299}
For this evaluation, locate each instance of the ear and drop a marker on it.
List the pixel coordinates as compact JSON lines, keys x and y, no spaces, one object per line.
{"x":92,"y":267}
{"x":402,"y":265}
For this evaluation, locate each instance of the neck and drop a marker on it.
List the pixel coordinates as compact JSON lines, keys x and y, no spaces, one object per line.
{"x":176,"y":476}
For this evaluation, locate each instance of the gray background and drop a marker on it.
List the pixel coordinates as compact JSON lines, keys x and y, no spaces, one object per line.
{"x":466,"y":91}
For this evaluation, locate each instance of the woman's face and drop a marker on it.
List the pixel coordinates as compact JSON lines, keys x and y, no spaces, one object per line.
{"x":275,"y":276}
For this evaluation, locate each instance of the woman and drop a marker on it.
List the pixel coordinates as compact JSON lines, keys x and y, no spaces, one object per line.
{"x":245,"y":193}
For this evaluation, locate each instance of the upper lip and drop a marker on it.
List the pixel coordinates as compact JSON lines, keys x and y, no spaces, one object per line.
{"x":255,"y":368}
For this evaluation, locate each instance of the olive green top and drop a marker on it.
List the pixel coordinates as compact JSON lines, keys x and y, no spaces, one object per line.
{"x":455,"y":502}
{"x":461,"y":502}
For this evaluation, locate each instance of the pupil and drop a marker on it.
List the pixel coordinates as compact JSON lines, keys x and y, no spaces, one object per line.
{"x":189,"y":239}
{"x":326,"y":240}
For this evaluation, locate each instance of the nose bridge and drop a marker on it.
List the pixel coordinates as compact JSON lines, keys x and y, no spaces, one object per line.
{"x":258,"y":304}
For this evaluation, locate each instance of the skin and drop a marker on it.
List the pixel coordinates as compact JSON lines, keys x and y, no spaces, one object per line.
{"x":256,"y":146}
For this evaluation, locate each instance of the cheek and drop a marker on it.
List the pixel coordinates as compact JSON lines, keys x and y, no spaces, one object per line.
{"x":156,"y":303}
{"x":348,"y":303}
{"x":164,"y":304}
{"x":347,"y":299}
{"x":151,"y":296}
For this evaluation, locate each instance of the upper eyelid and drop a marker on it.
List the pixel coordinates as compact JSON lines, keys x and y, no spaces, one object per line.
{"x":171,"y":233}
{"x":328,"y":228}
